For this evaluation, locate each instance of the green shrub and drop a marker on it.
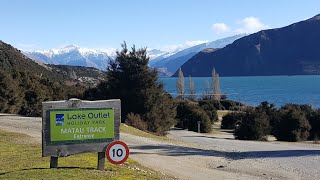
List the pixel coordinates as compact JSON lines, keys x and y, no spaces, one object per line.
{"x":231,"y":105}
{"x":136,"y":121}
{"x":271,"y":112}
{"x":189,"y":114}
{"x":254,"y":126}
{"x":230,"y":120}
{"x":315,"y":125}
{"x":205,"y":122}
{"x":222,"y":105}
{"x":304,"y":108}
{"x":211,"y":103}
{"x":183,"y":110}
{"x":292,"y":124}
{"x":210,"y":109}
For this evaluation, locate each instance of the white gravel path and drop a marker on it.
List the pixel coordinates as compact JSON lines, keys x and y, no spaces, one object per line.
{"x":292,"y":160}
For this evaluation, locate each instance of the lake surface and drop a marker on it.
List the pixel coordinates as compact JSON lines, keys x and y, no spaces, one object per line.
{"x":252,"y":90}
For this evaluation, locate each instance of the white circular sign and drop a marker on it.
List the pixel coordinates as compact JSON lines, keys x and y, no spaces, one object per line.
{"x":117,"y":152}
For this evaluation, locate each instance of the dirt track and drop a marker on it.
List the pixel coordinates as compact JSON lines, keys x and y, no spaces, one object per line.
{"x":196,"y":156}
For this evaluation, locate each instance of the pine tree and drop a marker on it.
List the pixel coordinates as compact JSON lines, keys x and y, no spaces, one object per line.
{"x":130,"y":79}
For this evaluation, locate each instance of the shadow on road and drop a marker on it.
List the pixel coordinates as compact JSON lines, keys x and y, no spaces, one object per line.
{"x":170,"y":150}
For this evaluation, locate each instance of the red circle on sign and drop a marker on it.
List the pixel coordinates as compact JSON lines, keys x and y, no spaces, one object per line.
{"x":121,"y":144}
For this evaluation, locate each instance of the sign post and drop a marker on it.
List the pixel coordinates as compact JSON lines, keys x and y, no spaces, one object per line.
{"x":75,"y":126}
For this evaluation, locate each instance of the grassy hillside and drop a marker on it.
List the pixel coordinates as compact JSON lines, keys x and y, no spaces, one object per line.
{"x":21,"y":159}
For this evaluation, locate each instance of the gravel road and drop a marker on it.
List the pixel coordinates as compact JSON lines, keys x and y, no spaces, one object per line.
{"x":284,"y":160}
{"x":202,"y":156}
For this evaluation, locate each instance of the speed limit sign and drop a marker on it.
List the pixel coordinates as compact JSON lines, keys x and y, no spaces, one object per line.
{"x":117,"y":152}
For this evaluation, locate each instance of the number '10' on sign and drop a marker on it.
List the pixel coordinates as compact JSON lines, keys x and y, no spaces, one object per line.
{"x":117,"y":152}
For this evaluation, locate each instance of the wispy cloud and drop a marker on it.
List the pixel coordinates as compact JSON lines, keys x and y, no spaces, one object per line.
{"x":250,"y":25}
{"x":247,"y":25}
{"x":220,"y":28}
{"x":177,"y":47}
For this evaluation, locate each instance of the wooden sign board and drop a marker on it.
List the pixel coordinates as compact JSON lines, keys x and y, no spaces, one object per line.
{"x":75,"y":126}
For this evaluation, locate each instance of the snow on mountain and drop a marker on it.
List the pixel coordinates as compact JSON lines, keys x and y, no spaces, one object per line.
{"x":172,"y":61}
{"x":155,"y":53}
{"x":75,"y":56}
{"x":78,"y":56}
{"x":169,"y":62}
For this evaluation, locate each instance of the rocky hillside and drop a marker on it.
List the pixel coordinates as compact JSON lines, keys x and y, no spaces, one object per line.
{"x":291,"y":50}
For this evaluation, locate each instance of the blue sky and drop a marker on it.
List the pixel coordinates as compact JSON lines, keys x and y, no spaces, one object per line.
{"x":165,"y":24}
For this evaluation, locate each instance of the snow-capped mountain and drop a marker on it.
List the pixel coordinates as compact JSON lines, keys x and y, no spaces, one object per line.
{"x":75,"y":56}
{"x":172,"y":62}
{"x":166,"y":62}
{"x":155,"y":53}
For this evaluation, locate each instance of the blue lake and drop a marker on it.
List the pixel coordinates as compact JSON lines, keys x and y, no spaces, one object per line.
{"x":252,"y":90}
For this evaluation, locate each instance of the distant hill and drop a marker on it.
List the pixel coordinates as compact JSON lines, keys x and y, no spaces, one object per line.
{"x":172,"y":62}
{"x":24,"y":84}
{"x":88,"y":76}
{"x":291,"y":50}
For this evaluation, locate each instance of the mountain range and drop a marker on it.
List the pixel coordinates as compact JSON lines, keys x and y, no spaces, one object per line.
{"x":290,"y":50}
{"x":74,"y":56}
{"x":165,"y":62}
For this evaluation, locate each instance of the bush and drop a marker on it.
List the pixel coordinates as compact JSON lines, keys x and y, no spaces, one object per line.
{"x":292,"y":124}
{"x":271,"y":112}
{"x":183,"y":110}
{"x":210,"y":109}
{"x":315,"y":125}
{"x":189,"y":114}
{"x":231,"y":105}
{"x":205,"y":122}
{"x":211,"y":103}
{"x":230,"y":120}
{"x":223,"y":104}
{"x":254,"y":126}
{"x":136,"y":121}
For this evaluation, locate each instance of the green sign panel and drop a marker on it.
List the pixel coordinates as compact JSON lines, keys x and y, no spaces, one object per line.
{"x":81,"y":125}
